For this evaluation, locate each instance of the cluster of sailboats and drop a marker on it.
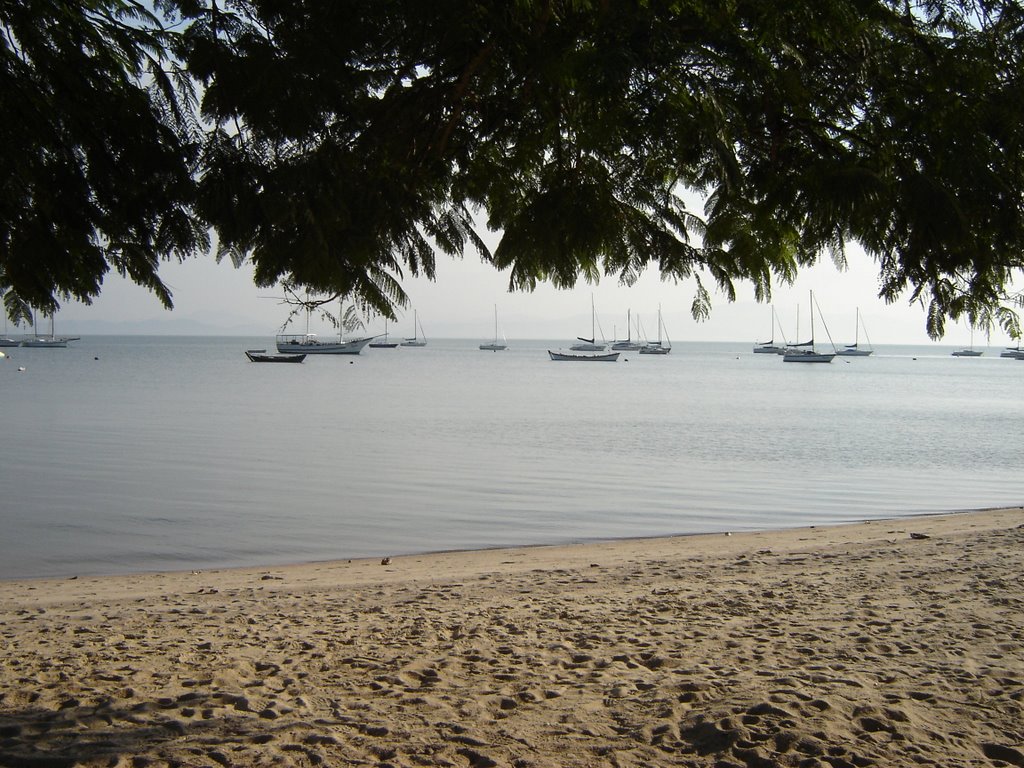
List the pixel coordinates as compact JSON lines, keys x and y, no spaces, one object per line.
{"x":591,"y":350}
{"x":293,"y":348}
{"x":39,"y":341}
{"x":294,"y":344}
{"x":806,"y":351}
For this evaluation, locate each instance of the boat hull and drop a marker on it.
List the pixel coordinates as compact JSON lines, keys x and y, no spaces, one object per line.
{"x":967,"y":353}
{"x":606,"y":357}
{"x":493,"y":347}
{"x":768,"y":349}
{"x":45,"y":343}
{"x":259,"y":356}
{"x":854,"y":352}
{"x":298,"y":345}
{"x":655,"y":350}
{"x":808,"y":357}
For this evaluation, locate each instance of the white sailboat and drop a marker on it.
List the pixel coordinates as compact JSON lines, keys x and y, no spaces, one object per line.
{"x":627,"y":344}
{"x":591,"y":344}
{"x":805,"y":352}
{"x":495,"y":346}
{"x":969,"y":351}
{"x":47,"y":341}
{"x":657,"y":347}
{"x":770,"y":347}
{"x":310,"y":344}
{"x":855,"y":350}
{"x":419,"y":340}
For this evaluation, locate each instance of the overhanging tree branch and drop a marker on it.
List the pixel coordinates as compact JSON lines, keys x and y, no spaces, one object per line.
{"x":342,"y":143}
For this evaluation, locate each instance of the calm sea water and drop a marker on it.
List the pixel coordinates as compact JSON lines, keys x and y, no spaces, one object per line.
{"x":124,"y":454}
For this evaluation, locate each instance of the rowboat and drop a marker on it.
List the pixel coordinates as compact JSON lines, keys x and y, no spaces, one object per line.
{"x":601,"y":357}
{"x":261,"y":356}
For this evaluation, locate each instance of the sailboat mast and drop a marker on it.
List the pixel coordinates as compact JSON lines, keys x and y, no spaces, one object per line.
{"x":812,"y":321}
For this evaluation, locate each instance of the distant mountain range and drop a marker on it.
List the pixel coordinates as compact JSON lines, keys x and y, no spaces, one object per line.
{"x":170,"y":326}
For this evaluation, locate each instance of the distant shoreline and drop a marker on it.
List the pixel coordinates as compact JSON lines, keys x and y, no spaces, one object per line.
{"x":83,"y":334}
{"x":716,"y":541}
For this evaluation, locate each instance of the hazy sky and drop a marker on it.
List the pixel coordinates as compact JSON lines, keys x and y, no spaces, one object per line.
{"x":218,"y":299}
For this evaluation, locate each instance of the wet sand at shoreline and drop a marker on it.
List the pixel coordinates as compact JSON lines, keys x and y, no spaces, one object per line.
{"x":888,"y":643}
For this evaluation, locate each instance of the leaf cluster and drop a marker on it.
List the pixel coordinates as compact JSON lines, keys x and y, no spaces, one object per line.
{"x":99,"y":155}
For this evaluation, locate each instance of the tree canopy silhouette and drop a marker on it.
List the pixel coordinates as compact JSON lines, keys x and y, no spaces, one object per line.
{"x":341,"y":144}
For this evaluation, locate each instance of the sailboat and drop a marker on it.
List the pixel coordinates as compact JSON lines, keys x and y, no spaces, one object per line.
{"x":656,"y":347}
{"x":384,"y":344}
{"x":627,"y":343}
{"x":970,"y":351}
{"x":854,"y":350}
{"x":309,"y":344}
{"x":416,"y":341}
{"x":5,"y":340}
{"x":590,"y":345}
{"x":805,"y":352}
{"x":1015,"y":353}
{"x":770,"y":347}
{"x":495,"y":345}
{"x":48,"y":342}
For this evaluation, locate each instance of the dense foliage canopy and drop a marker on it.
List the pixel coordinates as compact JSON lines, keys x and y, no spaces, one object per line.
{"x":341,"y":144}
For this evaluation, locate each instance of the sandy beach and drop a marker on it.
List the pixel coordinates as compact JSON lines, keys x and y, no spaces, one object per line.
{"x":885,"y":643}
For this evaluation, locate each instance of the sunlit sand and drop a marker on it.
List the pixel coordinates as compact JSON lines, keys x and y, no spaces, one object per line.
{"x":889,"y":643}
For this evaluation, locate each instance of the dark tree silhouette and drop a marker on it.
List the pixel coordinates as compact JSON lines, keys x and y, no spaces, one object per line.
{"x":341,"y":144}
